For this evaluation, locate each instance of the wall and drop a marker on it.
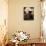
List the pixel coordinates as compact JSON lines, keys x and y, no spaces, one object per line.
{"x":16,"y":21}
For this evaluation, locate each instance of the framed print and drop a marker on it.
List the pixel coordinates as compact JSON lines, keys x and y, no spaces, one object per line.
{"x":28,"y":13}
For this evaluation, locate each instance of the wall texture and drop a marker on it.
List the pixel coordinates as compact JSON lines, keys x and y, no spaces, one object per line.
{"x":16,"y":21}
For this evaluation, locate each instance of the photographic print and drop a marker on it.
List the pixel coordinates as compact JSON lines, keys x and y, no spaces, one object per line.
{"x":28,"y":13}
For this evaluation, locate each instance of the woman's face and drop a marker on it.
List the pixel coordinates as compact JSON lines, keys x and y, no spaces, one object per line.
{"x":27,"y":10}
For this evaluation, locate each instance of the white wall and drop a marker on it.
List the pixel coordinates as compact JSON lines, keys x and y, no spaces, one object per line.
{"x":16,"y":21}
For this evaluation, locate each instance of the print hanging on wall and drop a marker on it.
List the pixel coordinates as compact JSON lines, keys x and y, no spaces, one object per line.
{"x":28,"y":13}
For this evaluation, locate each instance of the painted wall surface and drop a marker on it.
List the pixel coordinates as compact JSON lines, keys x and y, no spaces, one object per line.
{"x":16,"y":21}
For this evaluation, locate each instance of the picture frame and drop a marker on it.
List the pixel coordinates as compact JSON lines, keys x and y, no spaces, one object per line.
{"x":28,"y":13}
